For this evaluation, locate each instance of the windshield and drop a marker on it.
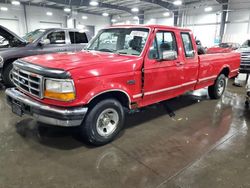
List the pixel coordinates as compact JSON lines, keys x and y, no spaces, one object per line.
{"x":130,"y":41}
{"x":225,"y":45}
{"x":33,"y":35}
{"x":246,"y":44}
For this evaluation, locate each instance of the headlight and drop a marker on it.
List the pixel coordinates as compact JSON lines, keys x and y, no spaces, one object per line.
{"x":62,"y":90}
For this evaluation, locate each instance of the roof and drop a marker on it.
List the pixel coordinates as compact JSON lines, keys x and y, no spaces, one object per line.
{"x":67,"y":29}
{"x":151,"y":27}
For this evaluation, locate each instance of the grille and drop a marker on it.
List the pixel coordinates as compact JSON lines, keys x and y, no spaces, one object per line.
{"x":245,"y":60}
{"x":27,"y":81}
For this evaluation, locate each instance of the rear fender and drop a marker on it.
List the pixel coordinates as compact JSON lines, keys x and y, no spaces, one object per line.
{"x":225,"y":67}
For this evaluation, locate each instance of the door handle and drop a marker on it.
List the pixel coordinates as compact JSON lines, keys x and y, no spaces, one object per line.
{"x":179,"y":63}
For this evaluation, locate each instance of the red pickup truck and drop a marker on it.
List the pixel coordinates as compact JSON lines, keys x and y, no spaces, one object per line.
{"x":122,"y":67}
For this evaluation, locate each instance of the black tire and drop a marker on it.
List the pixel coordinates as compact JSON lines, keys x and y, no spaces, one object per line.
{"x":216,"y":91}
{"x":93,"y":130}
{"x":247,"y":104}
{"x":7,"y":75}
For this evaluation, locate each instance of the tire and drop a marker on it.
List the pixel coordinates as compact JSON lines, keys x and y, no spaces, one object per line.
{"x":104,"y":121}
{"x":247,"y":104}
{"x":216,"y":91}
{"x":7,"y":75}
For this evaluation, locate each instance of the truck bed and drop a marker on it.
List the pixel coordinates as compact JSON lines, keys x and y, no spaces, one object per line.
{"x":211,"y":65}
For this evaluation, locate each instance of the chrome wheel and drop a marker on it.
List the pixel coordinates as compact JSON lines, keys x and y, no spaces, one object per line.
{"x":221,"y":87}
{"x":107,"y":122}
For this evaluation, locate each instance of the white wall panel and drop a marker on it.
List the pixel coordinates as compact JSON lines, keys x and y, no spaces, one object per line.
{"x":11,"y":24}
{"x":15,"y":15}
{"x":207,"y":34}
{"x":99,"y":22}
{"x":37,"y":15}
{"x":37,"y":18}
{"x":45,"y":25}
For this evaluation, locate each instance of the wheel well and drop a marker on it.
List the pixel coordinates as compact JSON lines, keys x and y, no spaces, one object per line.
{"x":122,"y":97}
{"x":8,"y":61}
{"x":225,"y":71}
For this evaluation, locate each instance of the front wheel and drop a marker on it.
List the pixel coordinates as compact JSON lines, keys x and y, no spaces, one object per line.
{"x":7,"y":75}
{"x":216,"y":91}
{"x":103,"y":122}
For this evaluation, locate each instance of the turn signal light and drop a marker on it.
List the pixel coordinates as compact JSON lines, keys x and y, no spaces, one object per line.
{"x":60,"y":96}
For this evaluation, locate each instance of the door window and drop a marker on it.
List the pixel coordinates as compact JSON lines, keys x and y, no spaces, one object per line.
{"x":164,"y":42}
{"x":188,"y":46}
{"x":78,"y":38}
{"x":57,"y":37}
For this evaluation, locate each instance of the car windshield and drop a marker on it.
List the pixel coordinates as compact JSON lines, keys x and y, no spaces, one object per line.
{"x":246,"y":44}
{"x":225,"y":45}
{"x":130,"y":41}
{"x":33,"y":35}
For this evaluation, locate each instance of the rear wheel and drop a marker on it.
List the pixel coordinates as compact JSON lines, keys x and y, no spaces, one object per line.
{"x":103,"y":122}
{"x":7,"y":75}
{"x":216,"y":91}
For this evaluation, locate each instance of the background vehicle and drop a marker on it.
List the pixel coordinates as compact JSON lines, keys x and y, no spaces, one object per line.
{"x":41,"y":41}
{"x":223,"y":48}
{"x":201,"y":49}
{"x":93,"y":87}
{"x":245,"y":57}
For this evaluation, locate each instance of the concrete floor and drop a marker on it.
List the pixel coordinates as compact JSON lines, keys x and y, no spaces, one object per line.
{"x":207,"y":144}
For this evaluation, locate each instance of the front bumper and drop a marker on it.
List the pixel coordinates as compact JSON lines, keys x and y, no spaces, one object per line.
{"x":66,"y":117}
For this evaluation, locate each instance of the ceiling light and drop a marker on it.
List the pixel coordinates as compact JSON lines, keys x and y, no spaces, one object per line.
{"x":166,"y":14}
{"x":85,"y":17}
{"x":208,"y":9}
{"x":135,"y":9}
{"x":15,"y":2}
{"x":67,"y":9}
{"x":177,"y":2}
{"x":49,"y":13}
{"x":4,"y":9}
{"x":105,"y":14}
{"x":136,"y":18}
{"x":93,"y":3}
{"x":113,"y":20}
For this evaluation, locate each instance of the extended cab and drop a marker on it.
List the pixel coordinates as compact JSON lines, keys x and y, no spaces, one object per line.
{"x":40,"y":41}
{"x":142,"y":65}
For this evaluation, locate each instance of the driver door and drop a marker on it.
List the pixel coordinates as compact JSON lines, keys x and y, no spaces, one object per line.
{"x":163,"y":77}
{"x":57,"y":42}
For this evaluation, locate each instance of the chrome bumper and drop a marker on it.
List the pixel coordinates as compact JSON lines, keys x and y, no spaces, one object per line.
{"x":66,"y":117}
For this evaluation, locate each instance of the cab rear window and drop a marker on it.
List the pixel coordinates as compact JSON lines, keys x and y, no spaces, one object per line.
{"x":187,"y":44}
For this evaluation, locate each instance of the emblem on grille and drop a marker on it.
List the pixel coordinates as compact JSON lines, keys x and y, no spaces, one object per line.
{"x":23,"y":81}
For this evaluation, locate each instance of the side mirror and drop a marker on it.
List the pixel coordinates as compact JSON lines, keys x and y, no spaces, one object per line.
{"x":44,"y":42}
{"x":169,"y":55}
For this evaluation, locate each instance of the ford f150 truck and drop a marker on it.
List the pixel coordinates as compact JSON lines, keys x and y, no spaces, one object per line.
{"x":142,"y":65}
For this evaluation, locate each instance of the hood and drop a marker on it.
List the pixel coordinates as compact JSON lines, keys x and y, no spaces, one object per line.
{"x":247,"y":49}
{"x":99,"y":63}
{"x":6,"y":33}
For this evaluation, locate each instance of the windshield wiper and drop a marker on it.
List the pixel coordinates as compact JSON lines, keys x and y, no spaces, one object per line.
{"x":121,"y":52}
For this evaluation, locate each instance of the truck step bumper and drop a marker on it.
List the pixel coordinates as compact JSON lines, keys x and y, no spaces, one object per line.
{"x":23,"y":104}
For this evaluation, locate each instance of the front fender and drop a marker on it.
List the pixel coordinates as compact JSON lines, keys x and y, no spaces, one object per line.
{"x":105,"y":89}
{"x":88,"y":89}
